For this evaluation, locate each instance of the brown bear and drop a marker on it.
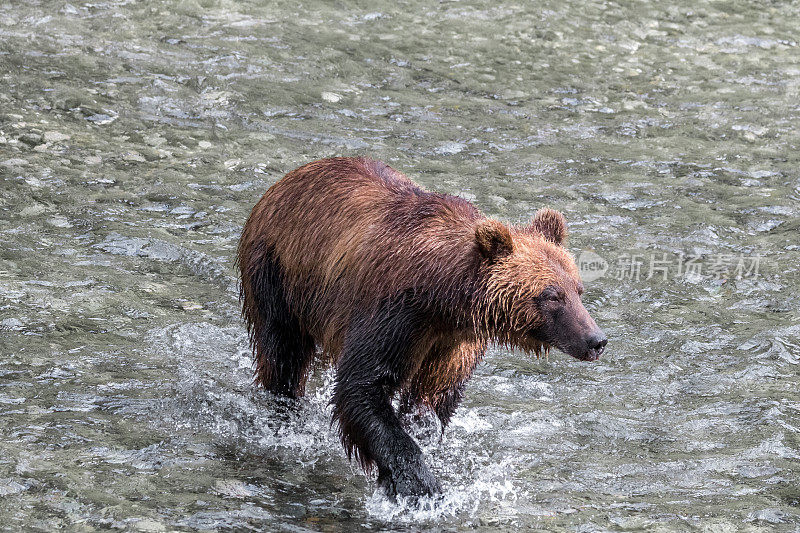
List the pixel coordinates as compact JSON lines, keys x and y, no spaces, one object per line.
{"x":401,"y":289}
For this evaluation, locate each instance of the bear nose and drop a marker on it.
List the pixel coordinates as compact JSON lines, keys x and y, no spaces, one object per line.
{"x":597,"y":341}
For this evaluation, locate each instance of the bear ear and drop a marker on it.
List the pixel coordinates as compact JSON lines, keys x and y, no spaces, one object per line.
{"x":493,"y":239}
{"x":551,"y":224}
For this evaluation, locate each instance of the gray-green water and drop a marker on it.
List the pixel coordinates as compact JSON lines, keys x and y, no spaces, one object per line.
{"x":136,"y":136}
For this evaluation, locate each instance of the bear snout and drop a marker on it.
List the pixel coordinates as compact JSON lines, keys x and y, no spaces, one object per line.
{"x":595,"y":345}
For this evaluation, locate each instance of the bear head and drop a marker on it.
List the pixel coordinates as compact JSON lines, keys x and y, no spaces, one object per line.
{"x":531,"y":296}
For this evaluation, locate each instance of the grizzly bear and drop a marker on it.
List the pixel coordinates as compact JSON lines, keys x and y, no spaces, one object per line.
{"x":401,"y":289}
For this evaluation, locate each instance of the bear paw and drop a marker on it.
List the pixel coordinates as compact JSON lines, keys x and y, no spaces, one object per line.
{"x":410,"y":479}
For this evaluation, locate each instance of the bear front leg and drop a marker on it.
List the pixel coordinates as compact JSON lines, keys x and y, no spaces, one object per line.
{"x":377,"y":357}
{"x":446,"y":403}
{"x":372,"y":432}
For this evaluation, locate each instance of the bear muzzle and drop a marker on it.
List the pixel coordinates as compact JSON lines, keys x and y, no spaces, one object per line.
{"x":575,"y":332}
{"x":595,"y":346}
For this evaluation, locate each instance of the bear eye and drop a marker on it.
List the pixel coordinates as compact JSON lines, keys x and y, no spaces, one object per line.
{"x":552,"y":295}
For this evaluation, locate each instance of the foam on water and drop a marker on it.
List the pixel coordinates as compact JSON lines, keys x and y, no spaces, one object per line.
{"x":217,"y":394}
{"x":490,"y":492}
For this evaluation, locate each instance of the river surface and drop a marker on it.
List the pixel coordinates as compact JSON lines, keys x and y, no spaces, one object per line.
{"x":136,"y":136}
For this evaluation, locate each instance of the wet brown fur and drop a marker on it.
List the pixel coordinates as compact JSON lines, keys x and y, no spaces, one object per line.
{"x":346,"y":234}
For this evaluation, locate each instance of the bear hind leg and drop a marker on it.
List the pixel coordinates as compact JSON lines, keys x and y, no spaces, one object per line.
{"x":284,"y":354}
{"x":283,"y":351}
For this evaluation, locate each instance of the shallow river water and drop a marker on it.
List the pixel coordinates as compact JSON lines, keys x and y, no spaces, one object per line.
{"x":136,"y":136}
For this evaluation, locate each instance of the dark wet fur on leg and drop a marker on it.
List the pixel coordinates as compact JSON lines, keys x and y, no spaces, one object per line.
{"x":373,"y":366}
{"x":283,"y":352}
